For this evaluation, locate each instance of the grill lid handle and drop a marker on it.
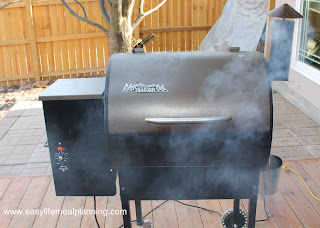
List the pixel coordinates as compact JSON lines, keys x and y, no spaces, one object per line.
{"x":192,"y":120}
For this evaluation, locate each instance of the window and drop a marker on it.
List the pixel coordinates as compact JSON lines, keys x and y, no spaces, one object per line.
{"x":309,"y":51}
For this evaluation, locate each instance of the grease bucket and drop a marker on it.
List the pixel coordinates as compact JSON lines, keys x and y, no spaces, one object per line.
{"x":269,"y":176}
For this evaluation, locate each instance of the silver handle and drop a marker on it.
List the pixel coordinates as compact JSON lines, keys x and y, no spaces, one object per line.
{"x":192,"y":120}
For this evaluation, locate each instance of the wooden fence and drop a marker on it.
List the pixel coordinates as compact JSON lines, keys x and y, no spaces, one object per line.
{"x":40,"y":39}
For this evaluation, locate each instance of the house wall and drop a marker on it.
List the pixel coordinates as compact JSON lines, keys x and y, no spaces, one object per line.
{"x":303,"y":80}
{"x":292,"y":3}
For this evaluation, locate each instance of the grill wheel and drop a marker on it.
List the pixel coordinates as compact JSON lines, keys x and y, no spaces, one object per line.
{"x":227,"y":219}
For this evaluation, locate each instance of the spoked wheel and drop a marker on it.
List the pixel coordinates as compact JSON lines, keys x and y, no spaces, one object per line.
{"x":227,"y":219}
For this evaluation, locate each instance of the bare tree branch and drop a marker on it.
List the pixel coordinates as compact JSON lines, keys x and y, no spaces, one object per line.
{"x":9,"y":3}
{"x":83,"y":9}
{"x":85,"y":19}
{"x":141,"y":7}
{"x":142,"y":15}
{"x":103,"y":11}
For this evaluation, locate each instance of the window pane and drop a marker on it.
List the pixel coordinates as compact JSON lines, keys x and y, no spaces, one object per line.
{"x":309,"y":51}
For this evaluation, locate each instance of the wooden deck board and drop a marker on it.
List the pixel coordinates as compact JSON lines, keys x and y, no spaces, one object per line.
{"x":187,"y":216}
{"x":165,"y":216}
{"x":291,"y":206}
{"x":50,"y":200}
{"x":301,"y":206}
{"x":113,"y":221}
{"x":210,"y":220}
{"x":89,"y":220}
{"x":4,"y":184}
{"x":310,"y":182}
{"x":31,"y":200}
{"x":12,"y":198}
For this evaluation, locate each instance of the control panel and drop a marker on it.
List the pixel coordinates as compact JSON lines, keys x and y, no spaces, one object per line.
{"x":61,"y":157}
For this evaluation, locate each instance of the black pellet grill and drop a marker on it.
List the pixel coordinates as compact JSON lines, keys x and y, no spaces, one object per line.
{"x":170,"y":126}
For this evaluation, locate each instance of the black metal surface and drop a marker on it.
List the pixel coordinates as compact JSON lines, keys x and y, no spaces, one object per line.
{"x":76,"y":126}
{"x":252,"y":212}
{"x":125,"y":207}
{"x":185,"y":149}
{"x":186,"y":183}
{"x":236,"y":212}
{"x":285,"y":11}
{"x":139,"y":213}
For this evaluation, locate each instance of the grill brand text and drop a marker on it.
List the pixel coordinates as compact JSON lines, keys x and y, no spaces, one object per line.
{"x":142,"y":88}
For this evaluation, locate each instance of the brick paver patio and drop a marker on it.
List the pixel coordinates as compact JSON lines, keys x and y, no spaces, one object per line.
{"x":22,"y":139}
{"x":23,"y":135}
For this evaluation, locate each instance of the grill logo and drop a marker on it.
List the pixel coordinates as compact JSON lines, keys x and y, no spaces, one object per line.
{"x":141,"y":88}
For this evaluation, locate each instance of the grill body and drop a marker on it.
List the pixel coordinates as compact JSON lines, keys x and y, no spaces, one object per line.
{"x":176,"y":126}
{"x":188,"y":126}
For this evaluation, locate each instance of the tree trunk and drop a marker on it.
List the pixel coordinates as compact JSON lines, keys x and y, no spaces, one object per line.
{"x":120,"y":32}
{"x":120,"y":42}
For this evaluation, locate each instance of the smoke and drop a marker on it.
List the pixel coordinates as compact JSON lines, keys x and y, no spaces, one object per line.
{"x":281,"y":48}
{"x":240,"y":90}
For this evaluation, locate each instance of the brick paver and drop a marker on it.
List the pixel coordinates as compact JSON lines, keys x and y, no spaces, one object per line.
{"x":295,"y":135}
{"x":22,"y":137}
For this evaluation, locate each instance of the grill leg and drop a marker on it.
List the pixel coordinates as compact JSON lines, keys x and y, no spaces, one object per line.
{"x":236,"y":208}
{"x":125,"y":206}
{"x":138,"y":212}
{"x":252,"y":212}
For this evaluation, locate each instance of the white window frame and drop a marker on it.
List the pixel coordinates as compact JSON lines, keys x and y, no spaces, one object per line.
{"x":298,"y":66}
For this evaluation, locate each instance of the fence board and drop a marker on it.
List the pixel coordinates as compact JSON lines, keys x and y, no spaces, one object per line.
{"x":189,"y":23}
{"x":155,"y":24}
{"x":25,"y":34}
{"x":77,"y":41}
{"x":6,"y":66}
{"x":2,"y":68}
{"x":202,"y":19}
{"x":70,"y":43}
{"x":92,"y":42}
{"x":55,"y":32}
{"x":40,"y":39}
{"x":182,"y":22}
{"x":169,"y":23}
{"x":175,"y":15}
{"x":162,"y":23}
{"x":47,"y":22}
{"x":195,"y":22}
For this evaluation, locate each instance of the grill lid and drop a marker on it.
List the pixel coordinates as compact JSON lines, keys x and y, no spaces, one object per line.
{"x":199,"y":91}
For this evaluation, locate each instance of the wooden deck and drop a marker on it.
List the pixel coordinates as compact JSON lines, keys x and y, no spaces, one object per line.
{"x":292,"y":206}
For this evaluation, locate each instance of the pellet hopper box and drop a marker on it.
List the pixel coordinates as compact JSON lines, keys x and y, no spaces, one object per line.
{"x":73,"y":110}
